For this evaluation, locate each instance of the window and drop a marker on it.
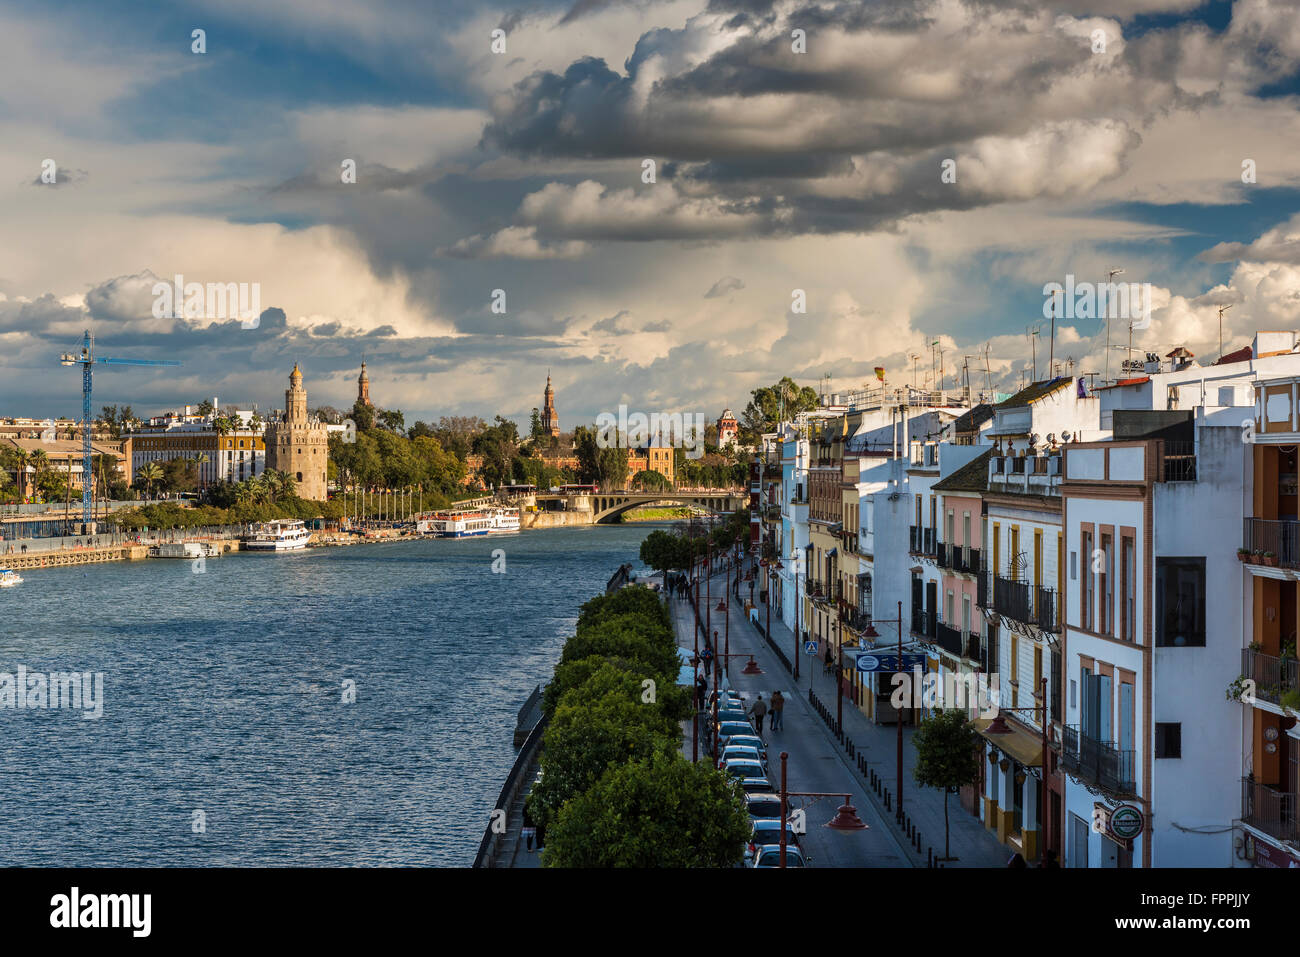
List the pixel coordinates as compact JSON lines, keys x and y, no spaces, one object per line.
{"x":1169,"y":740}
{"x":1129,"y":584}
{"x":1105,"y":586}
{"x":1085,"y":592}
{"x":1180,"y":602}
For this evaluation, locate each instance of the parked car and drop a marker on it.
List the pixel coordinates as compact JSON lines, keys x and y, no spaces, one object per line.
{"x":734,"y":714}
{"x":756,"y":785}
{"x":730,"y":729}
{"x":749,"y":741}
{"x":763,"y":804}
{"x":769,"y":855}
{"x":744,"y":767}
{"x":767,"y":830}
{"x":742,"y":751}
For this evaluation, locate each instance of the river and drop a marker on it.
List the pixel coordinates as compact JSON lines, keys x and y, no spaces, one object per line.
{"x":225,"y":738}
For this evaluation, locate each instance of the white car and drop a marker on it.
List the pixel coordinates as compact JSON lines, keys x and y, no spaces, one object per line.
{"x":742,"y":751}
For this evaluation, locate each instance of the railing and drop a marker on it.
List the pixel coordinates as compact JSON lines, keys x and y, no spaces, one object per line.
{"x":914,"y":538}
{"x":1180,"y":462}
{"x":967,"y":561}
{"x":923,"y":622}
{"x":982,"y":590}
{"x":1270,"y":810}
{"x":1012,"y":598}
{"x":941,"y":553}
{"x":928,"y":541}
{"x":491,"y":841}
{"x":1273,"y":676}
{"x":948,"y":638}
{"x":1098,"y":763}
{"x":1045,"y":610}
{"x":973,"y":647}
{"x":1282,"y":538}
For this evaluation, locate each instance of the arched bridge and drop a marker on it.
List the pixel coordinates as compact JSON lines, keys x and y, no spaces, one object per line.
{"x":607,"y":505}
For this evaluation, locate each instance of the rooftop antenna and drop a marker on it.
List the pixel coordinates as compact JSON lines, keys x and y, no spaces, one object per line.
{"x":1222,"y":310}
{"x":914,"y":356}
{"x":1032,"y":332}
{"x":1110,"y":276}
{"x":988,"y":376}
{"x":1051,"y":349}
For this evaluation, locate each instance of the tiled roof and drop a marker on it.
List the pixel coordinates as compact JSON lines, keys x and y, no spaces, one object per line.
{"x":971,"y":477}
{"x":972,"y":420}
{"x":1035,"y":391}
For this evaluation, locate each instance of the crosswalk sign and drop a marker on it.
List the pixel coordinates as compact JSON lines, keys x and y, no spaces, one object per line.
{"x":810,"y":647}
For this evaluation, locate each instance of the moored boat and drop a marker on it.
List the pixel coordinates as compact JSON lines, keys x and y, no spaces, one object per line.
{"x":455,"y":523}
{"x":9,"y":578}
{"x":280,"y":535}
{"x":504,"y":520}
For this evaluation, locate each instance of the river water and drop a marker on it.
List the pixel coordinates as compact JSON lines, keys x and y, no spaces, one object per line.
{"x":225,"y":738}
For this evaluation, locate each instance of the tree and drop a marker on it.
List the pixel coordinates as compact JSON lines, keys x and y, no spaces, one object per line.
{"x":535,"y":430}
{"x":947,"y":756}
{"x":587,"y":735}
{"x":664,"y":551}
{"x":770,"y":403}
{"x":148,"y":474}
{"x":656,"y":811}
{"x":392,"y":420}
{"x":205,"y":407}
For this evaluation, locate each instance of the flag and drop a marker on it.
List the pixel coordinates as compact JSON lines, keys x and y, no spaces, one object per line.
{"x":880,"y":373}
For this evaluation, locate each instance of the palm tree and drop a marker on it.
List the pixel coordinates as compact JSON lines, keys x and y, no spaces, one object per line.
{"x":22,"y":458}
{"x":199,"y":461}
{"x":274,"y":480}
{"x":148,"y":474}
{"x":41,"y":463}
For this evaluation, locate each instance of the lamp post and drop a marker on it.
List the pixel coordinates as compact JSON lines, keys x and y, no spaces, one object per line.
{"x":794,"y":559}
{"x":846,"y":818}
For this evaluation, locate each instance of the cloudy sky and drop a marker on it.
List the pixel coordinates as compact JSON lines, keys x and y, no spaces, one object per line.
{"x":1084,"y":136}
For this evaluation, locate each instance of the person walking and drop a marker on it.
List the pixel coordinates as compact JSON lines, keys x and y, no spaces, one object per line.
{"x":530,"y":830}
{"x":701,"y":691}
{"x":778,"y":711}
{"x":707,"y":657}
{"x":830,"y":660}
{"x":759,"y":712}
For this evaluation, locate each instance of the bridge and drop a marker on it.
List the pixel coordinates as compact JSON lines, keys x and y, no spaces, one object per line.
{"x":607,"y":505}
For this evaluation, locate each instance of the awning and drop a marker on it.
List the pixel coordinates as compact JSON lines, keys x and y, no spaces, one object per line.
{"x":1024,"y":747}
{"x":832,"y":553}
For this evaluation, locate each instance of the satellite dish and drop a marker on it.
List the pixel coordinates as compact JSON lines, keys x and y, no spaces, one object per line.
{"x":1065,"y":436}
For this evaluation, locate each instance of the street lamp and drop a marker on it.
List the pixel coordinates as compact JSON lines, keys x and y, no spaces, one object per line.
{"x":845,"y":819}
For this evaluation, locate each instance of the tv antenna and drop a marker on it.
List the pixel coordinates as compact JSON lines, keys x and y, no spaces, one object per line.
{"x":1222,"y":310}
{"x":1110,"y":276}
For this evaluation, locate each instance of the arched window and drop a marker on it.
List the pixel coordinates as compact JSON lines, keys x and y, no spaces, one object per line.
{"x":299,"y":476}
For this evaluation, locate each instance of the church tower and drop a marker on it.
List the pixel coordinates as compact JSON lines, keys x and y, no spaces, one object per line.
{"x":363,"y":386}
{"x":299,"y":445}
{"x":550,"y":418}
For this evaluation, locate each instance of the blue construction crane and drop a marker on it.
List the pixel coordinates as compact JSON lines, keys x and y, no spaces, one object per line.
{"x":86,"y":360}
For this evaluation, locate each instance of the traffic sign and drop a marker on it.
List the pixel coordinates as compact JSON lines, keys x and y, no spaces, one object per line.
{"x":876,"y":662}
{"x":810,"y":647}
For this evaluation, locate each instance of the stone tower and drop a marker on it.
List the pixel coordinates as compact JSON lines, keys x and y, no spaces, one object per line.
{"x":363,"y":386}
{"x":550,"y":418}
{"x":299,"y":445}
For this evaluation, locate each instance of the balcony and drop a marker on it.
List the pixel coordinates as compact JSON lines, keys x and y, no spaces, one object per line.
{"x":941,"y":553}
{"x":1282,"y":538}
{"x":949,"y":639}
{"x":1097,"y":763}
{"x":982,"y":590}
{"x":1012,"y":598}
{"x":974,"y":649}
{"x":914,"y":539}
{"x":1270,"y":810}
{"x":1273,"y":676}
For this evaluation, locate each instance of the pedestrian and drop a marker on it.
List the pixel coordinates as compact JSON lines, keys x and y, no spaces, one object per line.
{"x":830,"y":660}
{"x":530,"y":830}
{"x":707,"y":657}
{"x":701,"y":690}
{"x":778,"y":711}
{"x":759,"y":711}
{"x":1017,"y":863}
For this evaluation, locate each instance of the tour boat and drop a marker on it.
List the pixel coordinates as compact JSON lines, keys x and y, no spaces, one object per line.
{"x":9,"y":578}
{"x":504,"y":520}
{"x":281,"y":535}
{"x":456,"y":523}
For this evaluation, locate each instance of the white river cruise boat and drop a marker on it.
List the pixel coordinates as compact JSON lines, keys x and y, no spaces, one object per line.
{"x":504,"y":520}
{"x":9,"y":578}
{"x":456,"y":523}
{"x":281,"y":535}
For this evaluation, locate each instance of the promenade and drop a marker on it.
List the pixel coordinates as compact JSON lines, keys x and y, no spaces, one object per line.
{"x":818,"y":762}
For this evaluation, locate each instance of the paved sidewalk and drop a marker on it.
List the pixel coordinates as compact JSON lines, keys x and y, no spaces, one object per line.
{"x":970,"y":842}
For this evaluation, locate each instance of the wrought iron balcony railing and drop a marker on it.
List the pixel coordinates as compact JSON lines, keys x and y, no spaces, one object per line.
{"x":1270,"y":810}
{"x":1098,"y":763}
{"x":948,"y":638}
{"x":1273,"y":676}
{"x":1281,"y":537}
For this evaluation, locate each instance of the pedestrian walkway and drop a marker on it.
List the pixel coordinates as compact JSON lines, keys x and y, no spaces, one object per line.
{"x":970,"y":842}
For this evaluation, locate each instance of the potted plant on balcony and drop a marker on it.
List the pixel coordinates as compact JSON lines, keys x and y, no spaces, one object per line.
{"x":1236,"y":689}
{"x":1270,"y":559}
{"x":1243,"y":554}
{"x":1257,"y":556}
